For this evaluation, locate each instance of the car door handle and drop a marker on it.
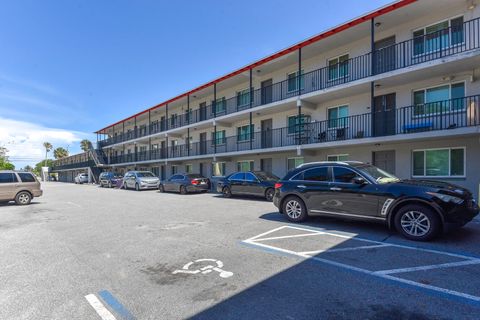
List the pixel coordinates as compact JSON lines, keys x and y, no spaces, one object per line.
{"x":335,"y":189}
{"x":301,"y":186}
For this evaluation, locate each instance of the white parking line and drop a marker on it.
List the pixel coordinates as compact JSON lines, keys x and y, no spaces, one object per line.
{"x":385,"y":274}
{"x":429,"y":267}
{"x":345,"y":249}
{"x":292,"y":236}
{"x":99,"y":307}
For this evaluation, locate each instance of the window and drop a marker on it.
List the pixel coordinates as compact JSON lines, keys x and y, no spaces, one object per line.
{"x":292,"y":163}
{"x":188,"y":115}
{"x":338,"y":117}
{"x":337,"y":157}
{"x":343,"y":175}
{"x":218,"y":169}
{"x":219,"y":106}
{"x":448,"y":162}
{"x":292,"y":81}
{"x":188,"y":142}
{"x":245,"y":132}
{"x":174,"y":169}
{"x":239,"y":176}
{"x":250,"y":177}
{"x":338,"y":67}
{"x":188,"y":168}
{"x":173,"y":120}
{"x":296,"y":124}
{"x":245,"y":165}
{"x":8,"y":177}
{"x":243,"y":98}
{"x":316,"y":174}
{"x":438,"y":36}
{"x":176,"y":177}
{"x":218,"y":137}
{"x":439,"y":99}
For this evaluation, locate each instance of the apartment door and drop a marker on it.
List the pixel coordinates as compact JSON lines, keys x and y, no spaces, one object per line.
{"x":162,"y":172}
{"x":384,"y":115}
{"x":202,"y":111}
{"x":385,"y":160}
{"x":267,"y":93}
{"x":385,"y":55}
{"x":266,"y":127}
{"x":266,"y":165}
{"x":201,"y":169}
{"x":163,"y":150}
{"x":163,"y":123}
{"x":203,"y":143}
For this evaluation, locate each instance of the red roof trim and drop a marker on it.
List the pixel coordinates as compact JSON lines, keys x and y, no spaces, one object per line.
{"x":302,"y":44}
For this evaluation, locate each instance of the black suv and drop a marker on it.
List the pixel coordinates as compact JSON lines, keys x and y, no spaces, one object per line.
{"x":418,"y":209}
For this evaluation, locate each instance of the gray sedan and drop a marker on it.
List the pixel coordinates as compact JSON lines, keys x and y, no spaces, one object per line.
{"x":185,"y":183}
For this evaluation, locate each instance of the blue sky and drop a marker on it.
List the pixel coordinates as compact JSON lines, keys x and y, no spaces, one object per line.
{"x":68,"y":68}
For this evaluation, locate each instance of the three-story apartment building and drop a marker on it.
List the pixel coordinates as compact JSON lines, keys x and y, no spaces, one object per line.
{"x":398,"y":87}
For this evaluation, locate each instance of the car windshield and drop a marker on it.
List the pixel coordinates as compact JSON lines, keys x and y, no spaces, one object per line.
{"x":265,"y":176}
{"x":378,"y":174}
{"x":145,"y":174}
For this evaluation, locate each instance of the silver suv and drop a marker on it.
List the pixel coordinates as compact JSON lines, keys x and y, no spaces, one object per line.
{"x":140,"y":180}
{"x":20,"y":187}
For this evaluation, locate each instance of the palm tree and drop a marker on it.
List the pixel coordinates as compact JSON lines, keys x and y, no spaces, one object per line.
{"x":85,"y":145}
{"x":48,"y":146}
{"x":60,"y":153}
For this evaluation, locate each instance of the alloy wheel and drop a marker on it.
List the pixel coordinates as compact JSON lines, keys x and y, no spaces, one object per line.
{"x":415,"y":223}
{"x":23,"y":198}
{"x":293,"y":209}
{"x":269,"y":194}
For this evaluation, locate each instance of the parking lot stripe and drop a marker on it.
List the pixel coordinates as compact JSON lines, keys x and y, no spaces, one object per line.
{"x":429,"y":267}
{"x":345,"y":249}
{"x":292,"y":236}
{"x":385,"y":276}
{"x":99,"y":307}
{"x":268,"y":232}
{"x":116,"y":305}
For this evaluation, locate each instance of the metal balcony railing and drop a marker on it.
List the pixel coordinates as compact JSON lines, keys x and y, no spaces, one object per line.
{"x":83,"y":164}
{"x":439,"y":115}
{"x":450,"y":41}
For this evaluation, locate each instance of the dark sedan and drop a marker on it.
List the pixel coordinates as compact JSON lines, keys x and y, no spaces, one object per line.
{"x":418,"y":209}
{"x":109,"y":179}
{"x":185,"y":183}
{"x":256,"y":183}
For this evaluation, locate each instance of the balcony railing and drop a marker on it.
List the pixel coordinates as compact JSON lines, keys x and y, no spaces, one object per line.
{"x":429,"y":47}
{"x":83,"y":164}
{"x":440,"y":115}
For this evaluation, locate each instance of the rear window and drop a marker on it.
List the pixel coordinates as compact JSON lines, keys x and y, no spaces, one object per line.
{"x":195,"y":176}
{"x":27,"y":177}
{"x":237,"y":176}
{"x":7,"y":177}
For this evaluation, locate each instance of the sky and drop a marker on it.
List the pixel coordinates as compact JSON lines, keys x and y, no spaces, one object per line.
{"x":69,"y":68}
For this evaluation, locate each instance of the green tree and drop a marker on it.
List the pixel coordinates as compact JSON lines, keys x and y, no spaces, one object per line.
{"x":85,"y":145}
{"x":48,"y":147}
{"x":60,"y":153}
{"x":38,"y":167}
{"x":4,"y":163}
{"x":28,"y":168}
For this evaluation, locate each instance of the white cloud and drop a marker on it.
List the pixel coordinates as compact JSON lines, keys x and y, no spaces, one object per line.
{"x":24,"y":140}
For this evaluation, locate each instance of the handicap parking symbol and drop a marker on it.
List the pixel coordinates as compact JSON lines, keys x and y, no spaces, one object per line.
{"x":216,"y":265}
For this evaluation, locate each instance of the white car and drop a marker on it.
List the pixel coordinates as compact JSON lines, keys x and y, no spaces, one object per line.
{"x":81,"y":178}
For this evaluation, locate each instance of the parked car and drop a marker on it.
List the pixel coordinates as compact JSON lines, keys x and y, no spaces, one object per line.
{"x":109,"y":179}
{"x":81,"y":178}
{"x":140,"y":180}
{"x":257,"y":183}
{"x":185,"y":183}
{"x":418,"y":209}
{"x":20,"y":187}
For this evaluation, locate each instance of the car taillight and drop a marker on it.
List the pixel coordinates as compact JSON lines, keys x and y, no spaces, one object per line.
{"x":278,"y":185}
{"x":195,"y":182}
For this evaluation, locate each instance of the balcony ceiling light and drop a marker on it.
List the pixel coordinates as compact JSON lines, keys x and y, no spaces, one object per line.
{"x":378,"y":24}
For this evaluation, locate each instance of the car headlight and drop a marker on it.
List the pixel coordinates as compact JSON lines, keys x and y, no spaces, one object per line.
{"x":446,"y":197}
{"x":143,"y":182}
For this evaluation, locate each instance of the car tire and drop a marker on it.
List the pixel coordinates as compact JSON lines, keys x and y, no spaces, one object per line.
{"x":269,"y":193}
{"x":226,"y":192}
{"x":161,"y":188}
{"x":417,"y":222}
{"x":294,"y":209}
{"x":109,"y":184}
{"x":137,"y":187}
{"x":23,"y":198}
{"x":125,"y":186}
{"x":183,"y":190}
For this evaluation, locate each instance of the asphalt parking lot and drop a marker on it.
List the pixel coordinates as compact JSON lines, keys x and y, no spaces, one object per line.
{"x":83,"y":252}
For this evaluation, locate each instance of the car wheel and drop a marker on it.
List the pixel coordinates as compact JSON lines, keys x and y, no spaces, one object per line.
{"x":109,"y":184}
{"x":417,"y":222}
{"x":227,"y":193}
{"x":183,"y":190}
{"x":125,"y":186}
{"x":137,"y":187}
{"x":295,"y":209}
{"x":23,"y":198}
{"x":269,"y":194}
{"x":161,"y":188}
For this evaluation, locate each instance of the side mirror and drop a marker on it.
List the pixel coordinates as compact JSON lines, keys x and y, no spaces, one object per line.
{"x":359,"y":180}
